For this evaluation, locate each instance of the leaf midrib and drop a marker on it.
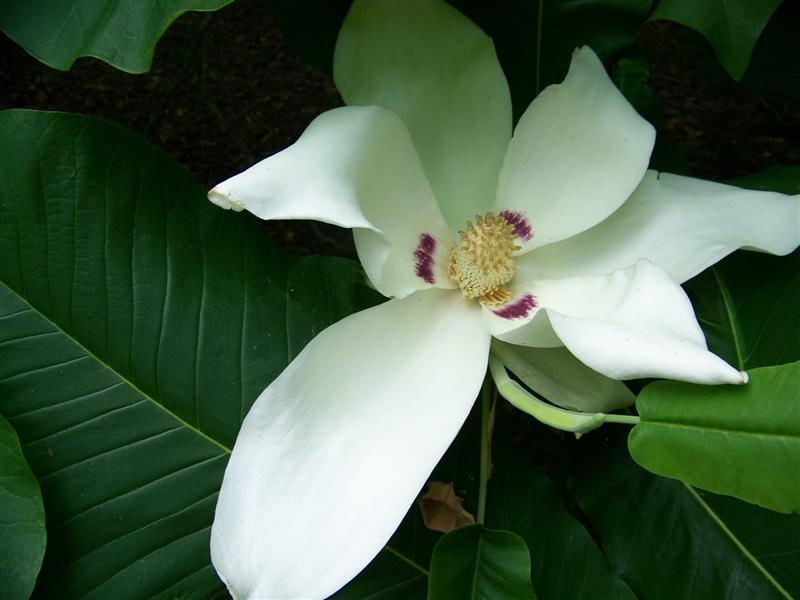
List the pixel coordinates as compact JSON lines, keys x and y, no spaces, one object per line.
{"x":477,"y":566}
{"x":736,"y":541}
{"x":117,"y":374}
{"x":678,"y":424}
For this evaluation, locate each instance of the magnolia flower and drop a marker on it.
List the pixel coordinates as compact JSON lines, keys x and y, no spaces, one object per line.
{"x":557,"y":236}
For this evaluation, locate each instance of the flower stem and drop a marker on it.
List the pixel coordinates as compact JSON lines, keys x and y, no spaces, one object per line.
{"x":486,"y":399}
{"x":626,"y":419}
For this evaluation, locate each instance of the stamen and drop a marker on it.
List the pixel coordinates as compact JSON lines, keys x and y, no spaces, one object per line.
{"x":484,"y":261}
{"x":497,"y":297}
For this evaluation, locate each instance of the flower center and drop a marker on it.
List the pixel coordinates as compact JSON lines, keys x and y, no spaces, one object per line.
{"x":484,"y":260}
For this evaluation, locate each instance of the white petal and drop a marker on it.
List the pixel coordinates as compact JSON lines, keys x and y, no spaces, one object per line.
{"x":521,"y":321}
{"x":558,"y":376}
{"x":577,"y":153}
{"x":684,"y":225}
{"x":437,"y":70}
{"x":355,"y":167}
{"x":335,"y":450}
{"x":633,"y":323}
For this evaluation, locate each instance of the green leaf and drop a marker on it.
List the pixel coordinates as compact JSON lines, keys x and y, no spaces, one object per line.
{"x":475,"y":562}
{"x":772,"y":66}
{"x":668,"y":540}
{"x":566,"y":562}
{"x":122,"y":33}
{"x":22,"y":531}
{"x":737,"y":440}
{"x":747,"y":303}
{"x":390,"y":576}
{"x":144,"y":322}
{"x":731,"y":26}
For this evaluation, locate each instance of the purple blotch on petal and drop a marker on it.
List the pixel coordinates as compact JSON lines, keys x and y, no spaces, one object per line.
{"x":518,"y":309}
{"x":520,"y":223}
{"x":423,"y":256}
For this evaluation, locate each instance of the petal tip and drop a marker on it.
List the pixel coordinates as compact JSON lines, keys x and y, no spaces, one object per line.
{"x":743,"y":378}
{"x":224,"y":201}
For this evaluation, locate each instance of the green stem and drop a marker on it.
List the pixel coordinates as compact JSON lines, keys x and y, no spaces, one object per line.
{"x":626,"y":419}
{"x":486,"y":399}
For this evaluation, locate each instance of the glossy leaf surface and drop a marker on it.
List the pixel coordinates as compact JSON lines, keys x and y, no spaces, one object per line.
{"x":565,"y":560}
{"x":22,"y":531}
{"x":731,"y":26}
{"x":668,"y":540}
{"x":776,"y":48}
{"x":477,"y":563}
{"x":121,"y":33}
{"x":737,"y":440}
{"x":144,"y":322}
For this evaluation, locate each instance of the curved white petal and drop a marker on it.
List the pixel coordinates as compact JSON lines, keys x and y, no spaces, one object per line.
{"x":577,"y":153}
{"x":684,"y":225}
{"x":437,"y":70}
{"x":355,"y":167}
{"x":633,"y":323}
{"x":555,"y":374}
{"x":335,"y":450}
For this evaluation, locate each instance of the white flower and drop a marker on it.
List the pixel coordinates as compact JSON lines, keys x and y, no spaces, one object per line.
{"x":577,"y":244}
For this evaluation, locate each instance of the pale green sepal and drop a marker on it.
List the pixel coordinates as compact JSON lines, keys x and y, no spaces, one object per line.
{"x":566,"y":420}
{"x":555,"y":374}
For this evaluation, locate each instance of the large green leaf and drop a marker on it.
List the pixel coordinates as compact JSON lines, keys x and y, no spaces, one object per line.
{"x":144,"y":322}
{"x":773,"y":63}
{"x":480,"y":564}
{"x":123,"y":33}
{"x":737,"y":440}
{"x":22,"y":531}
{"x":668,"y":540}
{"x":731,"y":26}
{"x":566,"y":562}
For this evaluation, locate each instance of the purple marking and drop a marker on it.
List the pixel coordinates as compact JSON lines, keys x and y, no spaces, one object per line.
{"x":423,"y":255}
{"x":518,"y":309}
{"x":522,"y":227}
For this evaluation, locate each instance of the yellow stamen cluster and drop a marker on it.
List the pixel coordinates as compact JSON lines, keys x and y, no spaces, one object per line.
{"x":484,"y":260}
